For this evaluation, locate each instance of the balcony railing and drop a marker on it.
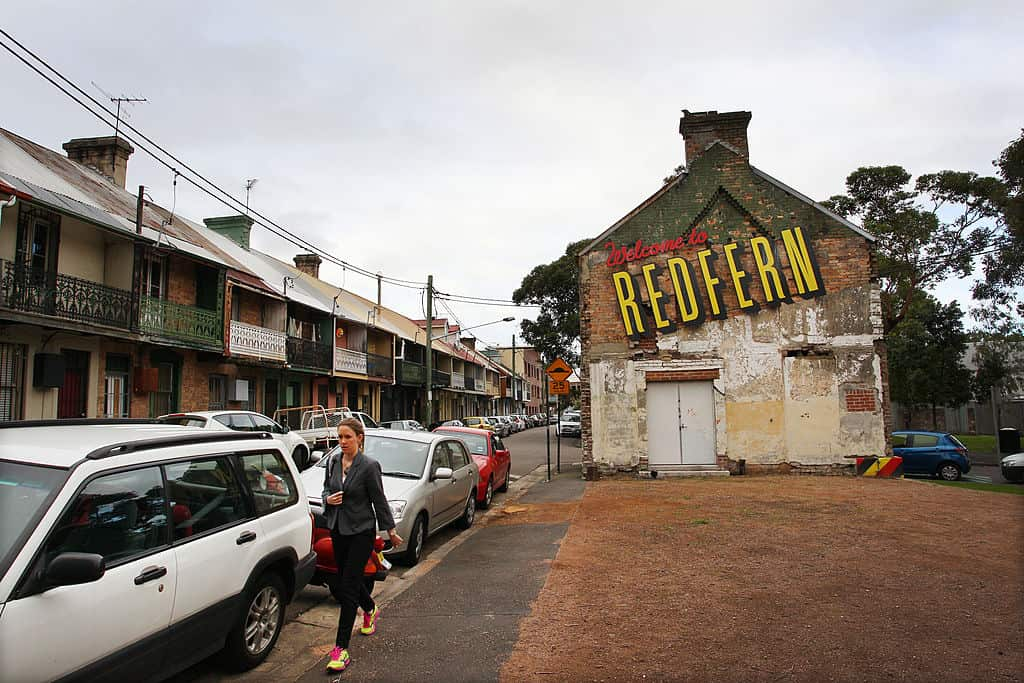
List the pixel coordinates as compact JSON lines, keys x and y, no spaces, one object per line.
{"x":412,"y":374}
{"x":442,"y":379}
{"x":458,"y":380}
{"x":379,"y":366}
{"x":347,"y":360}
{"x":26,"y":289}
{"x":305,"y":353}
{"x":492,"y":389}
{"x":189,"y":323}
{"x":261,"y":342}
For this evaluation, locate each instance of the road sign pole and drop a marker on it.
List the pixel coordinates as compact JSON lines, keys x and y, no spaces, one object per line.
{"x":547,"y":427}
{"x":558,"y":433}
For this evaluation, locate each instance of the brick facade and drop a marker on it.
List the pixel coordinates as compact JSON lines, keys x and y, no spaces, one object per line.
{"x":784,"y":373}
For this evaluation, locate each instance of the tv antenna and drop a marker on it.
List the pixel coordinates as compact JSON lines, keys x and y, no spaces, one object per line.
{"x":117,"y":101}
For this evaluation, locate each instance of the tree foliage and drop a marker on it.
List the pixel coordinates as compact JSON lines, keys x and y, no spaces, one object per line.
{"x":555,"y":288}
{"x":926,"y":350}
{"x":927,"y":232}
{"x":1004,"y":267}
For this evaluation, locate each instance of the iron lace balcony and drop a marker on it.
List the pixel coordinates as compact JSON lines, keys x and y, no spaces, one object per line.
{"x":31,"y":290}
{"x":196,"y":326}
{"x":305,"y":353}
{"x":259,"y":342}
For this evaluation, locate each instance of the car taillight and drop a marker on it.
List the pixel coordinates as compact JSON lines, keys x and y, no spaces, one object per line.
{"x":962,"y":451}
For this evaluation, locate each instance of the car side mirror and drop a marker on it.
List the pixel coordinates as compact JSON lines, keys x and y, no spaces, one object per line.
{"x":71,"y":569}
{"x":316,"y":455}
{"x":443,"y":473}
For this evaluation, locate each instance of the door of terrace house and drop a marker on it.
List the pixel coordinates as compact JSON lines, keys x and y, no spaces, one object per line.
{"x":73,"y":395}
{"x":680,"y":424}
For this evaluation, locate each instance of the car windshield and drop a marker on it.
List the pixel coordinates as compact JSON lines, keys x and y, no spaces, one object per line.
{"x":396,"y":456}
{"x":477,"y":443}
{"x":572,"y":417}
{"x":183,"y":420}
{"x":24,"y":493}
{"x":472,"y":420}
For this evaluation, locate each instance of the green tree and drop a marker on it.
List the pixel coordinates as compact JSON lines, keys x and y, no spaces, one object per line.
{"x":927,"y":232}
{"x":555,"y":288}
{"x":926,"y":350}
{"x":1004,"y":265}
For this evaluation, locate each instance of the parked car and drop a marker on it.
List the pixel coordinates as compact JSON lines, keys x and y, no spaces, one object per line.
{"x":130,"y":551}
{"x":502,"y":425}
{"x":429,"y":479}
{"x":245,"y":421}
{"x":492,"y":458}
{"x":480,"y":423}
{"x":408,"y":425}
{"x":934,"y":453}
{"x":569,"y":425}
{"x":318,"y":426}
{"x":1012,"y":467}
{"x":452,"y":423}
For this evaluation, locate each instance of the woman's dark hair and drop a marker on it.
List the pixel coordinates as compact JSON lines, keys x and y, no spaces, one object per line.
{"x":353,"y":424}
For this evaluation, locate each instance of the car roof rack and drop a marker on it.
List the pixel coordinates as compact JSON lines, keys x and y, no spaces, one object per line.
{"x":80,"y":421}
{"x":178,"y":440}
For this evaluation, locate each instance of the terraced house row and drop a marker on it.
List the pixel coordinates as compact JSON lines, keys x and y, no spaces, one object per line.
{"x":112,"y":306}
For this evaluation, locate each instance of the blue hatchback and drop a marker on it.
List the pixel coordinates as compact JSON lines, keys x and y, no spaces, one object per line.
{"x":934,"y":453}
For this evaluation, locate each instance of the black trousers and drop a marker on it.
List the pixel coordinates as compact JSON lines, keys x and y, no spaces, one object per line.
{"x":350,"y":556}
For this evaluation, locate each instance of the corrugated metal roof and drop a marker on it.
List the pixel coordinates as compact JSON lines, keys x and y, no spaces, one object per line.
{"x":85,"y":192}
{"x":59,"y":202}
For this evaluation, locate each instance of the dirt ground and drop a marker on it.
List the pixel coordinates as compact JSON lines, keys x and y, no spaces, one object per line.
{"x":780,"y":579}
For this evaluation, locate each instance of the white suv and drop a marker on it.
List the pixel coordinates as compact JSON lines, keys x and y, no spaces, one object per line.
{"x":244,"y":421}
{"x":131,"y":551}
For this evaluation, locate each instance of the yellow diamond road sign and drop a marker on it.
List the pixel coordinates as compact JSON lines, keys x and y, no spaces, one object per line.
{"x":559,"y":370}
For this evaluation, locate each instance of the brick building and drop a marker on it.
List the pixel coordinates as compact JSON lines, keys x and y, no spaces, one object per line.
{"x":730,"y":318}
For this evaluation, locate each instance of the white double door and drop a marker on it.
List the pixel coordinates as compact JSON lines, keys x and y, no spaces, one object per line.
{"x":680,"y":423}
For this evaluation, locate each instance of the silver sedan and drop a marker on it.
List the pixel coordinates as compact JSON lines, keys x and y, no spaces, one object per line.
{"x":429,"y":479}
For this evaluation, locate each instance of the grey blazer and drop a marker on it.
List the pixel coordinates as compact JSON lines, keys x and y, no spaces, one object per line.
{"x":364,"y":499}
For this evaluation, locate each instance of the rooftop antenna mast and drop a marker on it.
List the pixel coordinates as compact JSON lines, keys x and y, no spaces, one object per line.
{"x":117,"y":117}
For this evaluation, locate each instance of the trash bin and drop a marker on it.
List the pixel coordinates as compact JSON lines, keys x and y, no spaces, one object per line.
{"x":1009,"y":440}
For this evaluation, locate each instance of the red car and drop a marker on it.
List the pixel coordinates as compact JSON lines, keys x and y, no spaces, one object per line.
{"x":491,"y":456}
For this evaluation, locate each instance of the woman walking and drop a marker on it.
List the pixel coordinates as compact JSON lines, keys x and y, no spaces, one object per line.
{"x":353,"y":500}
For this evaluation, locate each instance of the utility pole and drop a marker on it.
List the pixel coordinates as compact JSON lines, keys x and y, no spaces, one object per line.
{"x":430,"y":353}
{"x":515,"y":389}
{"x":547,"y":426}
{"x":378,"y":289}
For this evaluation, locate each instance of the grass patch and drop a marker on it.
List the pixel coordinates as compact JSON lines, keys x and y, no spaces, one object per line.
{"x":698,"y":522}
{"x":982,"y":443}
{"x":978,"y":486}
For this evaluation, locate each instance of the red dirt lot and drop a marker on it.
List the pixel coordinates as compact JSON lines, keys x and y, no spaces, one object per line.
{"x":781,"y":579}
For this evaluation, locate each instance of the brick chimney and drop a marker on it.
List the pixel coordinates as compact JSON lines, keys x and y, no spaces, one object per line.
{"x":308,"y":264}
{"x":699,"y":129}
{"x":469,"y":342}
{"x":108,"y":155}
{"x":236,"y":228}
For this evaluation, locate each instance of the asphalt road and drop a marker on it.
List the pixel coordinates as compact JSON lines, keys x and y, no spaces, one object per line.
{"x":529,"y":451}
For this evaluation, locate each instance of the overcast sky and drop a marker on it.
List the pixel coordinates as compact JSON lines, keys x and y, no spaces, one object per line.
{"x":474,"y":140}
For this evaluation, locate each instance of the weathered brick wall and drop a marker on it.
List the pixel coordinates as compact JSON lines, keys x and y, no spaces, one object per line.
{"x":181,"y":281}
{"x":724,"y":198}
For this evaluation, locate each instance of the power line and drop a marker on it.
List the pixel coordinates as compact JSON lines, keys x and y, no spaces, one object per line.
{"x":277,"y":229}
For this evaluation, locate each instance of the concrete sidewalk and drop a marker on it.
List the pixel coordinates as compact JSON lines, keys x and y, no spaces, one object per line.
{"x":456,"y":616}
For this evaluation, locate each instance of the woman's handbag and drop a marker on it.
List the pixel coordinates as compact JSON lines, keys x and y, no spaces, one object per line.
{"x":377,"y":567}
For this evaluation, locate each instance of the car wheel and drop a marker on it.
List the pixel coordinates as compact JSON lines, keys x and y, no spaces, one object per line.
{"x":469,"y":513}
{"x":508,"y":475}
{"x":417,"y":538}
{"x":948,"y":472}
{"x":259,"y":624}
{"x":488,"y":495}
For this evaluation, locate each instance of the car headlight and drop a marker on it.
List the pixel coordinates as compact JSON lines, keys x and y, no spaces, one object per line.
{"x":397,"y":509}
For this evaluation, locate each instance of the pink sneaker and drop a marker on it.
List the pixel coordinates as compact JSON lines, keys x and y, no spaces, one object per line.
{"x":339,"y":659}
{"x":370,"y":621}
